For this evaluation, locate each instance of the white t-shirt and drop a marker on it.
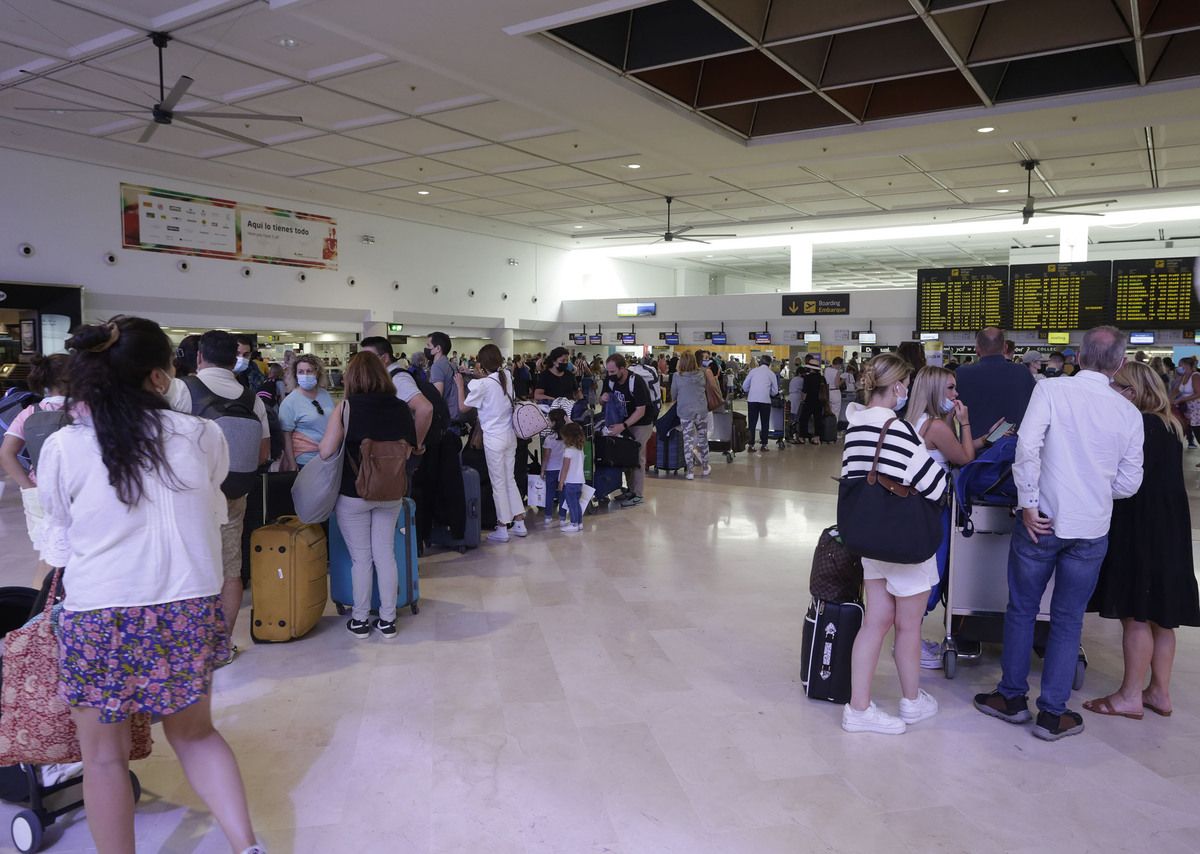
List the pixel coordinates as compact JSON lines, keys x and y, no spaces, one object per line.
{"x":573,"y":463}
{"x":406,"y":386}
{"x":553,"y":447}
{"x":495,"y":408}
{"x":165,"y":548}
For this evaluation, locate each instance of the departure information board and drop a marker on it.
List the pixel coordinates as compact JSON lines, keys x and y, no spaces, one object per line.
{"x":1066,"y":295}
{"x":962,"y":299}
{"x":1156,"y":292}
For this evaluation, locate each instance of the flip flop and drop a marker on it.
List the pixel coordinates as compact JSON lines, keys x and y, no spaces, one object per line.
{"x":1104,"y":706}
{"x":1157,"y":710}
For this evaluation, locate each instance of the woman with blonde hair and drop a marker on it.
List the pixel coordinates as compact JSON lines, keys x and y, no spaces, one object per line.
{"x":304,"y":413}
{"x":691,"y":402}
{"x":1147,"y":580}
{"x":896,"y":593}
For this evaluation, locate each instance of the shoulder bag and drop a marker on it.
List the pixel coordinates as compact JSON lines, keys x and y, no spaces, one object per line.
{"x":712,"y":394}
{"x":882,"y":519}
{"x":35,"y":722}
{"x":837,"y":575}
{"x":316,"y":488}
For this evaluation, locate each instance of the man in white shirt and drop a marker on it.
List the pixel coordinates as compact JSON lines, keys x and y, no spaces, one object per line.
{"x":406,"y":387}
{"x":760,"y":386}
{"x":1080,"y":447}
{"x":215,"y":361}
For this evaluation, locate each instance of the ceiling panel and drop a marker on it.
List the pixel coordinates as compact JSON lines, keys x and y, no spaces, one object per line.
{"x":275,"y":162}
{"x":57,"y":28}
{"x":321,"y":108}
{"x":493,"y":158}
{"x":1106,"y":184}
{"x":609,"y":193}
{"x":837,"y":206}
{"x":354,"y":179}
{"x":216,"y":77}
{"x":182,"y":141}
{"x":572,"y":147}
{"x":541,"y":200}
{"x":500,"y":121}
{"x":339,"y":149}
{"x":407,"y":88}
{"x":861,"y":167}
{"x":485,"y":186}
{"x":929,"y":198}
{"x":532,"y":217}
{"x":481,"y":207}
{"x":411,"y":193}
{"x":888,"y":184}
{"x":799,"y":193}
{"x":979,"y":154}
{"x":1095,"y":164}
{"x":556,"y":178}
{"x":415,"y":136}
{"x":419,"y":170}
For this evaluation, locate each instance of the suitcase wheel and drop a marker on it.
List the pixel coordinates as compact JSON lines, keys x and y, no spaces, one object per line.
{"x":949,"y":663}
{"x":415,"y":608}
{"x":341,"y":609}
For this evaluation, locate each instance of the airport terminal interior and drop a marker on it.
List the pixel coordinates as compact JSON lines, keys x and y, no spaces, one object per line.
{"x":752,"y":179}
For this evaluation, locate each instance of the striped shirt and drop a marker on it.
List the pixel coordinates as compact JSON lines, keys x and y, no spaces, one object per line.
{"x":903,"y":458}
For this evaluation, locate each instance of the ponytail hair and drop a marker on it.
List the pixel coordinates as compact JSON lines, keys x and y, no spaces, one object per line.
{"x":882,"y":371}
{"x":492,"y":361}
{"x":109,"y":369}
{"x":558,"y":420}
{"x":49,"y":372}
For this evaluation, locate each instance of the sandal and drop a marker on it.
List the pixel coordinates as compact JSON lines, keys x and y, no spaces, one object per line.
{"x":1104,"y":706}
{"x":1164,"y":713}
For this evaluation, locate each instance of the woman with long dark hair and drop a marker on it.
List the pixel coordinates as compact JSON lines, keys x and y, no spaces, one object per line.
{"x":132,"y":496}
{"x":492,"y":395}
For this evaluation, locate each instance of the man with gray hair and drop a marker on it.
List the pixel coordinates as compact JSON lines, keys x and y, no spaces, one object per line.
{"x":1080,"y":447}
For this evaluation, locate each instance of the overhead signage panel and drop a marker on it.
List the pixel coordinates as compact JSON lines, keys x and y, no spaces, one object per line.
{"x":815,"y":305}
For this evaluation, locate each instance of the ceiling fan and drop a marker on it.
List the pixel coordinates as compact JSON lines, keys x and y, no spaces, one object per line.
{"x":1030,"y":208}
{"x":164,"y":112}
{"x":670,"y":236}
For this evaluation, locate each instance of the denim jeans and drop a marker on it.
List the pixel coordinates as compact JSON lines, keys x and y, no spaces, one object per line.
{"x":553,"y":496}
{"x":757,"y":411}
{"x":1075,"y":567}
{"x":572,"y":493}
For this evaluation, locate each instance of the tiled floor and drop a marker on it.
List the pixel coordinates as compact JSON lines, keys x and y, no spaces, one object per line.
{"x":635,"y":690}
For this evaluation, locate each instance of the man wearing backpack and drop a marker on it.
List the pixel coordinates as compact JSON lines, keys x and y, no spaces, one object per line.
{"x":647,"y":371}
{"x":626,"y":392}
{"x":217,"y":394}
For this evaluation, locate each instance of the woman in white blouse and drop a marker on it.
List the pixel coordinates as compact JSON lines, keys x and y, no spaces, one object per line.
{"x":492,"y":396}
{"x":133,"y":507}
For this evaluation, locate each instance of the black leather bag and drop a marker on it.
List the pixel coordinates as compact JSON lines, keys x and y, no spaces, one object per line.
{"x":618,"y":452}
{"x":882,"y":519}
{"x":837,"y":575}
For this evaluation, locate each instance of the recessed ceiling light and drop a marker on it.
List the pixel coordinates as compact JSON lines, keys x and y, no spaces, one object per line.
{"x":1002,"y":191}
{"x":577,"y":226}
{"x":984,"y":130}
{"x":633,"y":166}
{"x":422,"y":192}
{"x":1049,"y":235}
{"x":287,"y":42}
{"x":707,"y":256}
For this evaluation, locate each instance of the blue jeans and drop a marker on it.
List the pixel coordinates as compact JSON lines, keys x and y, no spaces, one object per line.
{"x":572,"y":493}
{"x":1075,"y":567}
{"x":553,"y":498}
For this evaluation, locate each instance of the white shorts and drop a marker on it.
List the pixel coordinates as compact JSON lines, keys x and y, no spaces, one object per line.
{"x":903,"y":579}
{"x":35,"y":519}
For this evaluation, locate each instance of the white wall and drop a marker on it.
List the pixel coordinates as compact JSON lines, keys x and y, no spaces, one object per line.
{"x":71,"y":213}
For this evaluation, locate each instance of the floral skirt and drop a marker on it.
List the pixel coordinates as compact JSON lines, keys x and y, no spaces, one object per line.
{"x":150,"y":658}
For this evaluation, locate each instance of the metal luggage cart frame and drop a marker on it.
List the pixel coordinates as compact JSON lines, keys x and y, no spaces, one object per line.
{"x":975,"y":590}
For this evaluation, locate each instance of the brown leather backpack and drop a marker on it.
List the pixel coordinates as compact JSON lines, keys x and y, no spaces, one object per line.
{"x":381,"y":473}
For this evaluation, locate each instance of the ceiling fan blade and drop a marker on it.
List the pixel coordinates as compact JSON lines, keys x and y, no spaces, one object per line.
{"x":692,"y":239}
{"x":84,"y":89}
{"x":1077,"y":205}
{"x":177,"y":92}
{"x":1064,"y":212}
{"x":989,"y":216}
{"x":148,"y":132}
{"x":79,"y":110}
{"x":713,"y":235}
{"x":220,"y":131}
{"x":999,"y":210}
{"x":204,"y":114}
{"x":682,"y":229}
{"x":630,"y":237}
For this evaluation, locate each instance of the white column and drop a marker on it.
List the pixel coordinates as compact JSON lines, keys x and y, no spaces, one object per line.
{"x":1073,"y":242}
{"x":802,"y":261}
{"x":502,"y":337}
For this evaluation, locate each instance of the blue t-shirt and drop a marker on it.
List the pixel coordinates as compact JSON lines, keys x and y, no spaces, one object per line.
{"x":297,"y":414}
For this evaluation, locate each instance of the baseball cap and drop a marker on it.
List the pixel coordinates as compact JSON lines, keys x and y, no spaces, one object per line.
{"x":1031,"y":357}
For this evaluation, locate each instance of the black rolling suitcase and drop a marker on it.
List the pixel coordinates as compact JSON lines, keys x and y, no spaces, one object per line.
{"x":829,"y":632}
{"x":472,"y":491}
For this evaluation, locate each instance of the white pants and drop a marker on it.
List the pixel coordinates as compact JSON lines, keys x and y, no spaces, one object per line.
{"x":835,"y":402}
{"x":369,"y":528}
{"x":502,"y":464}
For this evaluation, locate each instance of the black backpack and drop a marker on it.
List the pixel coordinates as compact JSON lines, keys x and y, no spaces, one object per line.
{"x":242,"y":429}
{"x":441,"y":409}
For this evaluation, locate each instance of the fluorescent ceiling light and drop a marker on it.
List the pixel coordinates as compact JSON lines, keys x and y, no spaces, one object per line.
{"x":577,"y":226}
{"x":984,"y":130}
{"x":633,"y":166}
{"x":422,"y":192}
{"x":1002,"y":191}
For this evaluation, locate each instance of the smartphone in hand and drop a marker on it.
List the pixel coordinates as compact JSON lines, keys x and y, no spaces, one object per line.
{"x":1000,"y":432}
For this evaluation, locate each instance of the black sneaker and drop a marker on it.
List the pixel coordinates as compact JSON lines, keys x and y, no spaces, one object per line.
{"x":361,"y":629}
{"x":632,"y":501}
{"x":995,"y":704}
{"x":388,"y":630}
{"x":1053,"y":727}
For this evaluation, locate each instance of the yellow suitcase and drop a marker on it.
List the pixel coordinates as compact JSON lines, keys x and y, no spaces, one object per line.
{"x":289,"y":579}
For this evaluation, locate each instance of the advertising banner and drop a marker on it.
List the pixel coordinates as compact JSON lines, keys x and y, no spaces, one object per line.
{"x":158,"y":220}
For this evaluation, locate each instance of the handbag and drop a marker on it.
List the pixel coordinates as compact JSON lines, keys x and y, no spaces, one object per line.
{"x":381,"y":473}
{"x":882,"y":519}
{"x":316,"y":489}
{"x":35,"y":721}
{"x":837,"y":575}
{"x":712,"y":397}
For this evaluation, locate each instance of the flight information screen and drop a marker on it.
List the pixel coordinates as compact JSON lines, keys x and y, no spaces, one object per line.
{"x":1065,"y":295}
{"x":962,"y":299}
{"x":1156,"y":292}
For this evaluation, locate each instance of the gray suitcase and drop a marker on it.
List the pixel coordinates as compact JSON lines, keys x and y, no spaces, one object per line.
{"x":474,"y":530}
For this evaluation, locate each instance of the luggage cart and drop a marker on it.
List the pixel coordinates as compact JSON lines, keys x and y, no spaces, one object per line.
{"x":729,"y":433}
{"x":779,"y":422}
{"x":977,"y":578}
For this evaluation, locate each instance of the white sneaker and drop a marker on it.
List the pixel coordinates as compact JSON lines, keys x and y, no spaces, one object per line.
{"x":931,"y":655}
{"x":549,"y":522}
{"x":871,"y":720}
{"x":915,"y":711}
{"x":519,"y":528}
{"x":572,"y":529}
{"x":500,"y":535}
{"x":707,"y":471}
{"x":690,"y":476}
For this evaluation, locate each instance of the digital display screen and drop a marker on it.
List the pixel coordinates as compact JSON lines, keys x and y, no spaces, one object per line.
{"x":812,"y":337}
{"x":598,"y":338}
{"x":1064,"y":295}
{"x":720,"y":338}
{"x":579,"y":338}
{"x":637,"y":309}
{"x":1058,"y":338}
{"x":867,"y":337}
{"x":1156,"y":292}
{"x":929,"y":336}
{"x":962,"y":299}
{"x":672,"y":339}
{"x":628,"y":338}
{"x":762,"y":337}
{"x":1141,"y":337}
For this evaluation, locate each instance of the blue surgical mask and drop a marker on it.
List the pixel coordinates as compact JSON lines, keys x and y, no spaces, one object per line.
{"x":1181,"y":370}
{"x":947,"y":405}
{"x":240,"y":366}
{"x":901,"y":402}
{"x":567,"y":368}
{"x":307,"y":381}
{"x":706,"y":362}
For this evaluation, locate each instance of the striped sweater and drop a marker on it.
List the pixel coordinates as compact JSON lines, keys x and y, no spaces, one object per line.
{"x":904,"y":457}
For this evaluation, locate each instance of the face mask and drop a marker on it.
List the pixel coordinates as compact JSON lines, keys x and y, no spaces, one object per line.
{"x":567,"y":367}
{"x":428,"y":354}
{"x":241,"y":365}
{"x":1052,"y":372}
{"x":307,"y":381}
{"x":901,"y":399}
{"x":706,"y":362}
{"x":947,"y":405}
{"x":1181,"y":370}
